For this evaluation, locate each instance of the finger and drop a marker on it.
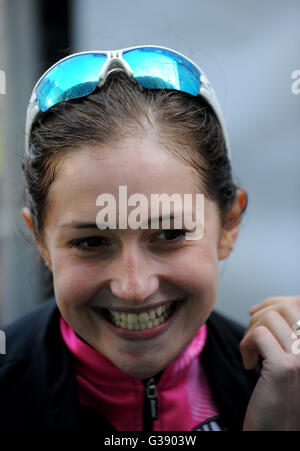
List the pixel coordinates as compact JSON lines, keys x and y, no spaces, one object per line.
{"x":260,"y":342}
{"x":289,"y":309}
{"x":266,"y":303}
{"x":292,"y":315}
{"x":280,"y":330}
{"x":271,"y":302}
{"x":290,"y":312}
{"x":278,"y":326}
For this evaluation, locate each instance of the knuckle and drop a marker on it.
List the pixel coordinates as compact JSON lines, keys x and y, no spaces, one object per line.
{"x":262,"y":318}
{"x":258,"y":332}
{"x":269,"y":315}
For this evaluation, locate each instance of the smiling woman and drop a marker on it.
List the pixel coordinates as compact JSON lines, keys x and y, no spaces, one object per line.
{"x":130,"y":340}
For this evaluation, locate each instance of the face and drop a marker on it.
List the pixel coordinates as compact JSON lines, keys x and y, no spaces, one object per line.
{"x":119,"y":272}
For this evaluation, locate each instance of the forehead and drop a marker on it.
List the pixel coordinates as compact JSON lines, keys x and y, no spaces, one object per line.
{"x":140,"y":164}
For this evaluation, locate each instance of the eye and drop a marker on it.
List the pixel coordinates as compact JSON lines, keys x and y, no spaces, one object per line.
{"x":93,"y":243}
{"x":173,"y":236}
{"x":90,"y":244}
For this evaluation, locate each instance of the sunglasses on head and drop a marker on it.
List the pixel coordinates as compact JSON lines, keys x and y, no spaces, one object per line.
{"x":153,"y":67}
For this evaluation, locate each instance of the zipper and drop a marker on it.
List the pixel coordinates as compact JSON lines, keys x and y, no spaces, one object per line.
{"x":150,"y":408}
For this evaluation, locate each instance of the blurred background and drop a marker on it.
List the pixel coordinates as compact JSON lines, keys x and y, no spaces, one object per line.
{"x":248,"y":49}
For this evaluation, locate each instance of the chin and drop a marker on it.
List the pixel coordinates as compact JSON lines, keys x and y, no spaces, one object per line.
{"x":140,"y":373}
{"x":139,"y":369}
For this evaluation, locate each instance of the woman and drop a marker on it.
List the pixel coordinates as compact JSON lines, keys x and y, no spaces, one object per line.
{"x":130,"y":340}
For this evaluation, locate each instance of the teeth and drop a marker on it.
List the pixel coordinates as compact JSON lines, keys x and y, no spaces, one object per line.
{"x":143,"y":317}
{"x":118,"y":316}
{"x":151,"y":314}
{"x":142,"y":321}
{"x":158,"y":310}
{"x":132,"y":318}
{"x":123,"y":316}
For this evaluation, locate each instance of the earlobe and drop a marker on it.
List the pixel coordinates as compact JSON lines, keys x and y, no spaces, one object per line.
{"x":227,"y":240}
{"x":224,"y":252}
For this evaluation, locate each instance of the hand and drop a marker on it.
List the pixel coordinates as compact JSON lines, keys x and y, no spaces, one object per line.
{"x":275,"y":401}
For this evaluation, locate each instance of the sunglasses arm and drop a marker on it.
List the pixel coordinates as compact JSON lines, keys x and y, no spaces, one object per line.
{"x":33,"y":112}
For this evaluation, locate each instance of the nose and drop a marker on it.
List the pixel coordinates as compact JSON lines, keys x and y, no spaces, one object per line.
{"x":133,"y":277}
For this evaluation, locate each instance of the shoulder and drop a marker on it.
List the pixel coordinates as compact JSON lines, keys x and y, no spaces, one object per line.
{"x":24,"y":335}
{"x":36,"y":375}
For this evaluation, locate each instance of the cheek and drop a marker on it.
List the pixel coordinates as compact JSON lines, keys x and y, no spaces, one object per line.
{"x":201,"y":283}
{"x":73,"y":282}
{"x":197,"y":273}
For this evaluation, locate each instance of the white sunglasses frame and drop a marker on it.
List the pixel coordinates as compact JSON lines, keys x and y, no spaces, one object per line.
{"x":115,"y":62}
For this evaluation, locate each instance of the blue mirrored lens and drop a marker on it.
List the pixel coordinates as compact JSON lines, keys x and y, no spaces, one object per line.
{"x":157,"y":68}
{"x":77,"y":76}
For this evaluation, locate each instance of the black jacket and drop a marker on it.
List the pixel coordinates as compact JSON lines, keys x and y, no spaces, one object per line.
{"x":38,"y":388}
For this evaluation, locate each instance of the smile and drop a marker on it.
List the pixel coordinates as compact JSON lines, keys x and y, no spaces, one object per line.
{"x":144,"y":325}
{"x":145,"y":320}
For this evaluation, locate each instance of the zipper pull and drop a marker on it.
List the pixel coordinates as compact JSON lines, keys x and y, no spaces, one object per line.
{"x":151,"y":393}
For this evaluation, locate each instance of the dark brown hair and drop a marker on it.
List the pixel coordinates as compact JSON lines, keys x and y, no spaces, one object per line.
{"x":185,"y":125}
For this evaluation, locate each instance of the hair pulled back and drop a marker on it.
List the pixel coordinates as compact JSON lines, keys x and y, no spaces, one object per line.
{"x":186,"y":126}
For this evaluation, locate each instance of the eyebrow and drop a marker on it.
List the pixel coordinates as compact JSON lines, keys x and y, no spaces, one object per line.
{"x":91,"y":225}
{"x":79,"y":225}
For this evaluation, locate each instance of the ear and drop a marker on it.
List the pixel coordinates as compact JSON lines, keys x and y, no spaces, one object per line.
{"x":228,"y":236}
{"x":42,"y":249}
